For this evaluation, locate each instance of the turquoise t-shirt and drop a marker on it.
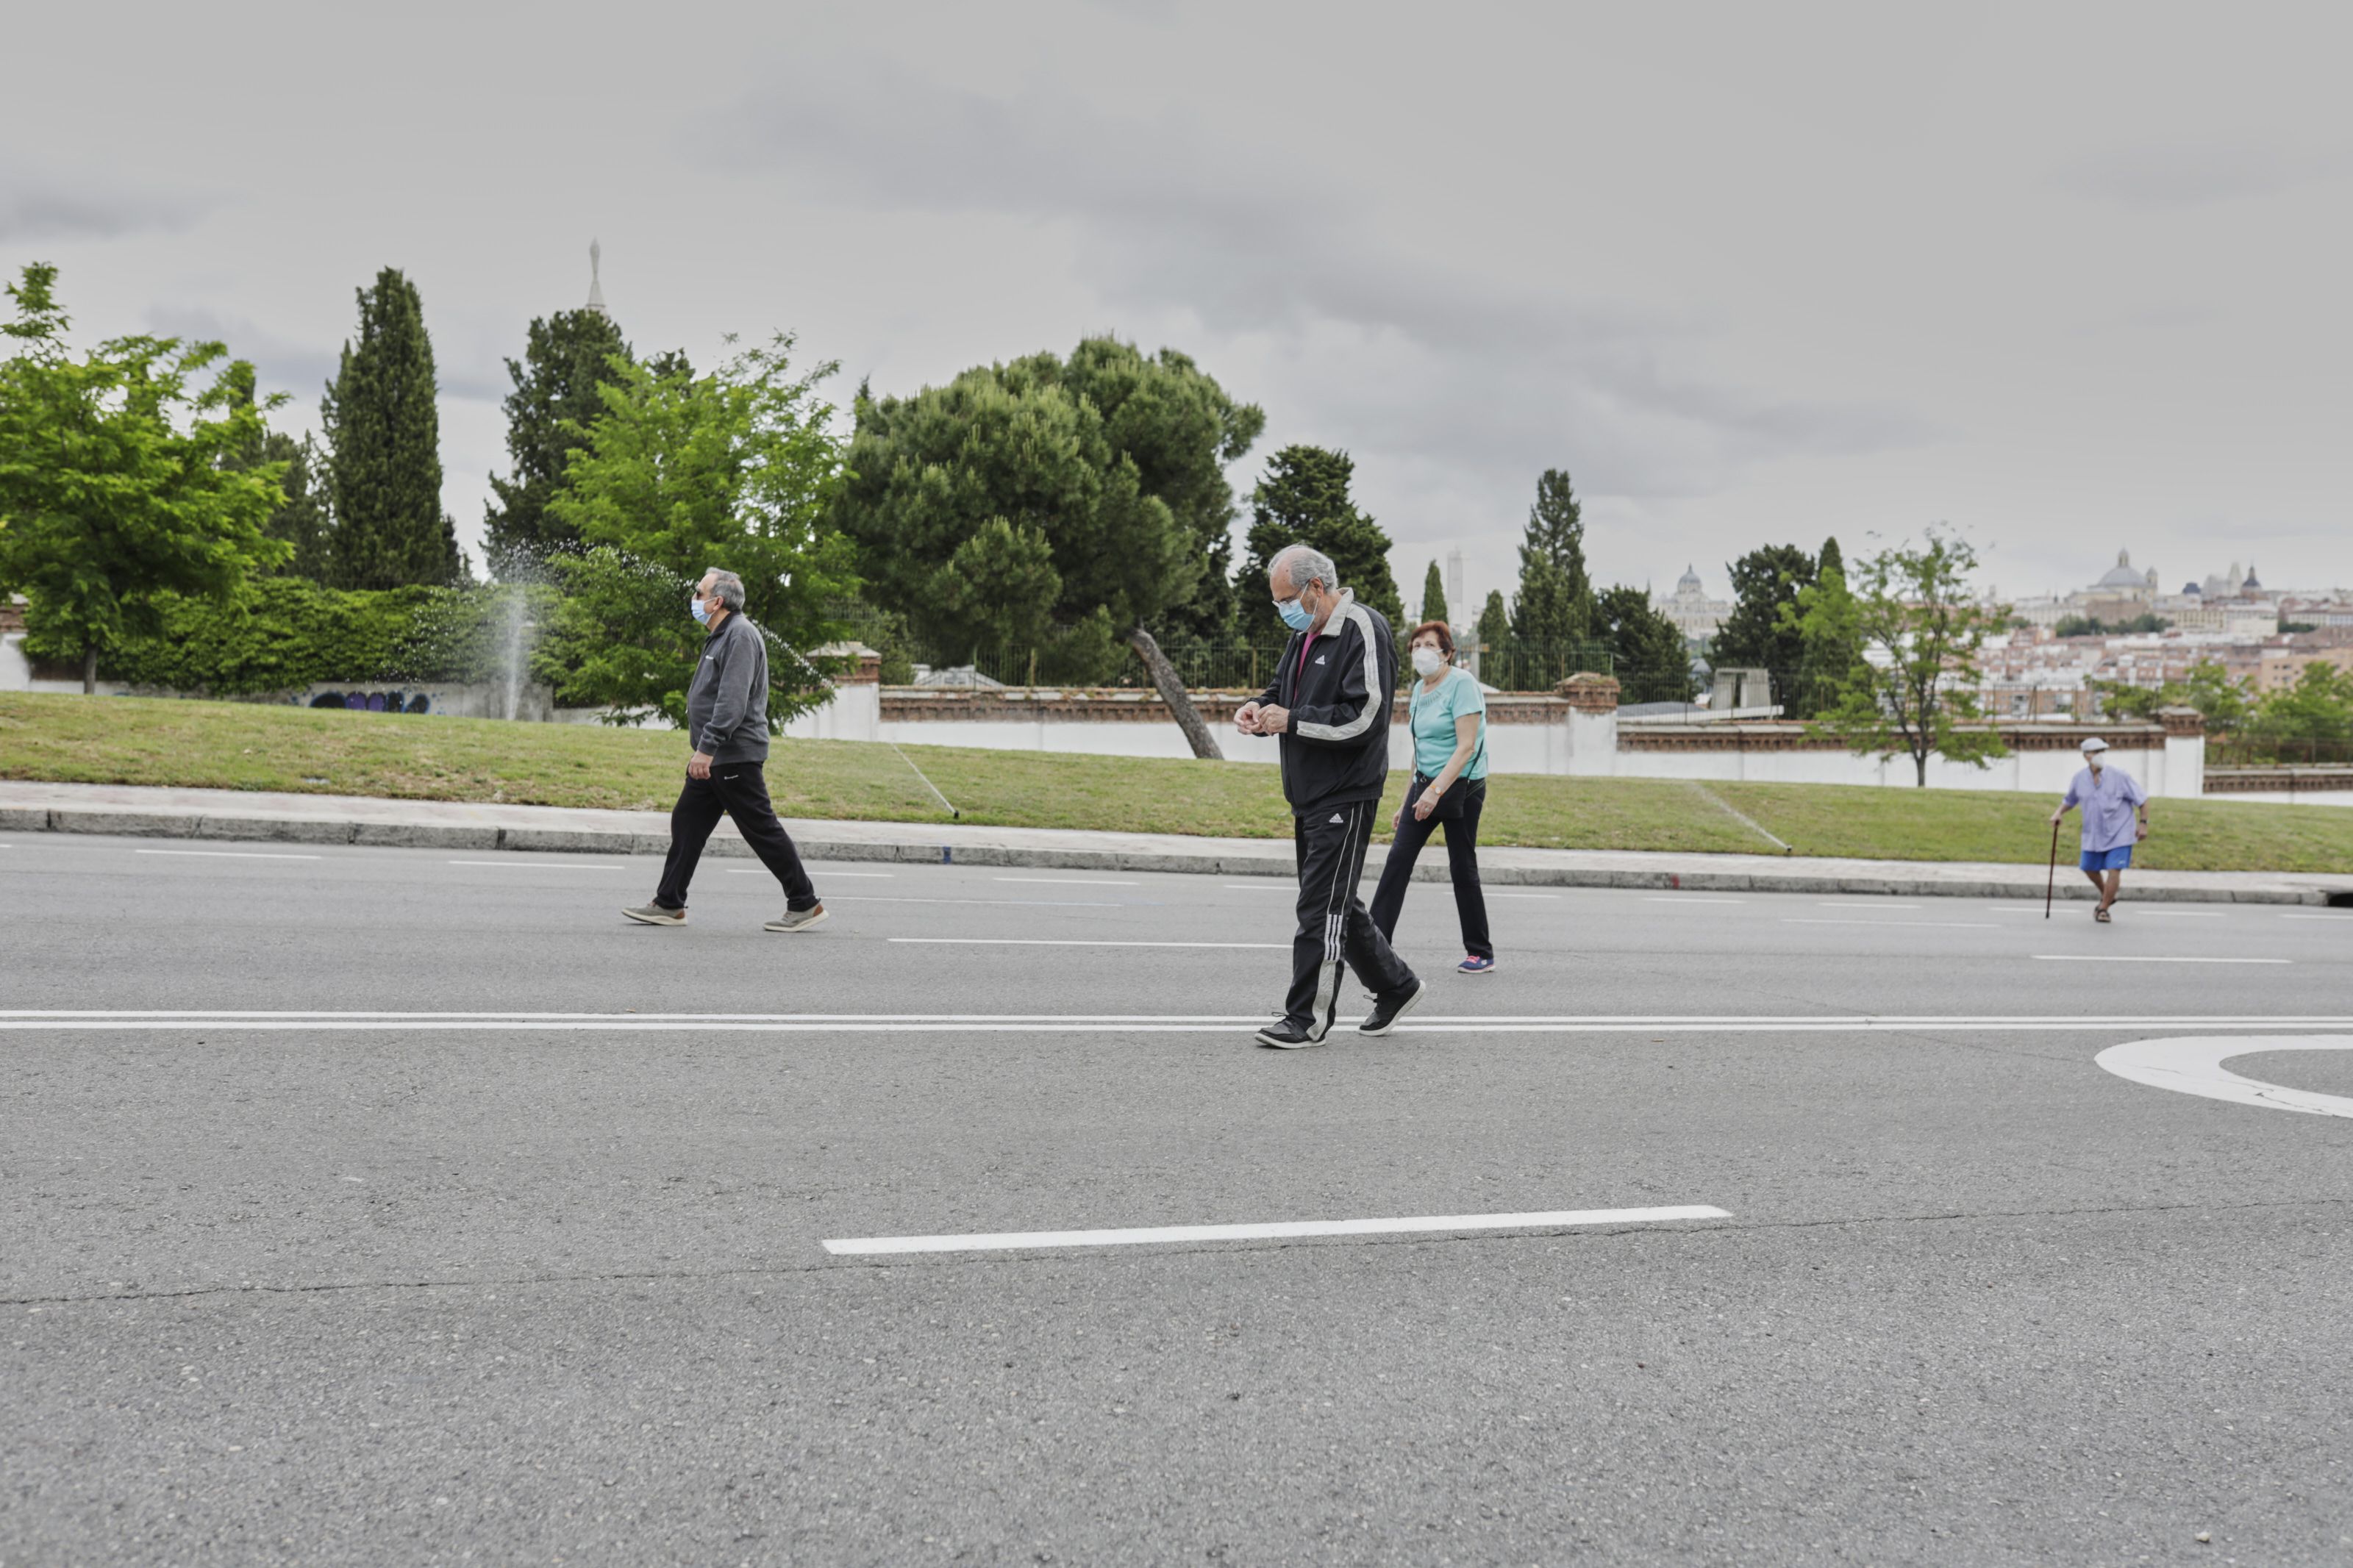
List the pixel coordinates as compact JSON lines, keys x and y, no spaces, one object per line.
{"x":1432,"y":714}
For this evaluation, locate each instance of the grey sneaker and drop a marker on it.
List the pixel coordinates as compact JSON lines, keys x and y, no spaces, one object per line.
{"x":797,"y":920}
{"x":655,"y":915}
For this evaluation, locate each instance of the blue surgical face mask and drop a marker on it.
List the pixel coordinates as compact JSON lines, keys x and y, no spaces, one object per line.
{"x":701,"y":607}
{"x":1295,"y":615}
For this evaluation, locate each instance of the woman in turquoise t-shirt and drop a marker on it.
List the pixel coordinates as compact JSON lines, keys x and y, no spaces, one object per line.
{"x":1448,"y":718}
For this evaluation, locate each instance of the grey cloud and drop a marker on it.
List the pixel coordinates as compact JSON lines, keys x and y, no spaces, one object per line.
{"x":47,"y":207}
{"x":2197,"y":175}
{"x":279,"y":364}
{"x":1166,"y":217}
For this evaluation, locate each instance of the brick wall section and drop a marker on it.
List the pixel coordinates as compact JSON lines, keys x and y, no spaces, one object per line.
{"x":1121,"y":706}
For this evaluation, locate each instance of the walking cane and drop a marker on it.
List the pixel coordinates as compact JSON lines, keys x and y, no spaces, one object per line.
{"x":2052,"y":886}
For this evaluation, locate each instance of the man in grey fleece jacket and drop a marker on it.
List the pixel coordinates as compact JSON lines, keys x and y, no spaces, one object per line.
{"x":727,"y":722}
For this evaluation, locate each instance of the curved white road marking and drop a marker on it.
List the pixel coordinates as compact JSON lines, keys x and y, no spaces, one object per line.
{"x":2194,"y":1066}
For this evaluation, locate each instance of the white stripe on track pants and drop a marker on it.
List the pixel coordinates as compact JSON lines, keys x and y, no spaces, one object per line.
{"x":1334,"y":924}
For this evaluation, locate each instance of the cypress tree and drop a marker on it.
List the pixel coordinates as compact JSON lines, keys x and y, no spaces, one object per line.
{"x":300,"y":520}
{"x":1303,"y":500}
{"x":567,"y":357}
{"x":1494,"y":632}
{"x":383,"y":438}
{"x":1433,"y":596}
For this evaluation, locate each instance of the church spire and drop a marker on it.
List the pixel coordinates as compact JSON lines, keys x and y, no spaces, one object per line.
{"x":595,"y":287}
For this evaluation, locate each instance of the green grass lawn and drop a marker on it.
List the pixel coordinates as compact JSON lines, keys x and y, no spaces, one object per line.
{"x":234,"y":745}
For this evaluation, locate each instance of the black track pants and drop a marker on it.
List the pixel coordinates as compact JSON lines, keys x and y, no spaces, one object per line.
{"x":739,"y":790}
{"x":1334,"y":923}
{"x":1462,"y":863}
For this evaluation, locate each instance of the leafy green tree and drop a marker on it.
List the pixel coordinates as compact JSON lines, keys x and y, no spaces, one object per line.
{"x":300,"y":520}
{"x":119,"y":482}
{"x":679,"y":474}
{"x":1303,"y":500}
{"x":1494,"y":634}
{"x":1653,"y":663}
{"x":1556,"y":603}
{"x":567,"y":357}
{"x":2208,"y":686}
{"x":1044,"y":501}
{"x":1921,"y":628}
{"x":2318,"y":707}
{"x":1824,"y":621}
{"x":1756,"y":635}
{"x":1433,"y":595}
{"x":384,"y":439}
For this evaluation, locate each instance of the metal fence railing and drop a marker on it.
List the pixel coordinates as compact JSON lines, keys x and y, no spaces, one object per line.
{"x":2276,"y":751}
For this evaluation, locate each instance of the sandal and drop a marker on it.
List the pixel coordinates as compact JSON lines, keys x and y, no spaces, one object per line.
{"x":2100,"y":915}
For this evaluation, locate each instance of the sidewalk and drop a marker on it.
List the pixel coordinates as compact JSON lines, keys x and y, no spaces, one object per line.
{"x":444,"y":824}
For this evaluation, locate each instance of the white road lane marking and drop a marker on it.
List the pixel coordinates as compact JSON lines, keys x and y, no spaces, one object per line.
{"x":540,"y":865}
{"x":814,"y":870}
{"x":2347,"y":916}
{"x":1552,"y":1219}
{"x":1073,"y":942}
{"x":2142,"y":912}
{"x":2195,"y":1067}
{"x":1179,"y":1023}
{"x":1948,"y":925}
{"x":227,"y":854}
{"x":1687,"y":898}
{"x":1069,"y":881}
{"x":994,"y":903}
{"x":1861,"y":904}
{"x":1269,"y":886}
{"x":1493,"y":894}
{"x":2143,"y":958}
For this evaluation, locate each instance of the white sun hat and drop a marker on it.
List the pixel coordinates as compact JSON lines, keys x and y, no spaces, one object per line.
{"x":2094,"y":745}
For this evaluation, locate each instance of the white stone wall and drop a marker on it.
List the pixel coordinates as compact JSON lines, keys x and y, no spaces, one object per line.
{"x":16,"y":669}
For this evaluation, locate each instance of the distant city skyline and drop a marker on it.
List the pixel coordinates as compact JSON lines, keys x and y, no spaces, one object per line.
{"x":1775,"y":278}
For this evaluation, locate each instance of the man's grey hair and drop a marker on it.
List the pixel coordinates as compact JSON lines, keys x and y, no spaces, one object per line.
{"x":727,"y":588}
{"x":1304,"y":563}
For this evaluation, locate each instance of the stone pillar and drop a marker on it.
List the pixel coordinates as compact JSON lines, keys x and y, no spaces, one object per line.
{"x":2185,"y":752}
{"x":1592,"y":722}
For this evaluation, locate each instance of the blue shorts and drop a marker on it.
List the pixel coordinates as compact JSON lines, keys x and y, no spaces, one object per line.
{"x":2115,"y":859}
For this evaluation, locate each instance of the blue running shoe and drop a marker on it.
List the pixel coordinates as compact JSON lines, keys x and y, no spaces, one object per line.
{"x":1474,"y":964}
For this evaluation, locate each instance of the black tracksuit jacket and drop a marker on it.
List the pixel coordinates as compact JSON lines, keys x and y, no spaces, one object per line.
{"x":1335,"y":751}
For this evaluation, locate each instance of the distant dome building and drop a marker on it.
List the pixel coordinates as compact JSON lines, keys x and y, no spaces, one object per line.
{"x":1694,"y":613}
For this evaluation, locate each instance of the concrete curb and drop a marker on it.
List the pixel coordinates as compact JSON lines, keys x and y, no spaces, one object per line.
{"x":911,"y":846}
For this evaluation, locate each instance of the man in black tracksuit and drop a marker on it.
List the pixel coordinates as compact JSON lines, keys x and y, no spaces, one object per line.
{"x":727,"y":723}
{"x":1330,"y":703}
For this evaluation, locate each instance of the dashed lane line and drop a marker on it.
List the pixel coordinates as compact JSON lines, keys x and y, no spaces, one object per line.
{"x":2144,"y":958}
{"x":1007,"y":1241}
{"x":229,"y":854}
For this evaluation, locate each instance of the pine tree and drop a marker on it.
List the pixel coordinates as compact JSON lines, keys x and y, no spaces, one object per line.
{"x":1648,"y":650}
{"x":1556,"y":598}
{"x":1494,"y":634}
{"x":1756,"y":635}
{"x":300,"y":520}
{"x":1433,"y":595}
{"x":567,"y":357}
{"x":1303,"y":500}
{"x":1830,"y":560}
{"x":383,"y":438}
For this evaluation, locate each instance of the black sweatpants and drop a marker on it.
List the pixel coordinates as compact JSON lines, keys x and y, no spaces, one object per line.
{"x":1462,"y":863}
{"x":1333,"y":920}
{"x":739,"y":790}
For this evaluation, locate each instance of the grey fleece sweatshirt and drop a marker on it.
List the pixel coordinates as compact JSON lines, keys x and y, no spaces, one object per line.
{"x":727,"y":702}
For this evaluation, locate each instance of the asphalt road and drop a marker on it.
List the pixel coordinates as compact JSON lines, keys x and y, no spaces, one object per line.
{"x":512,"y":1247}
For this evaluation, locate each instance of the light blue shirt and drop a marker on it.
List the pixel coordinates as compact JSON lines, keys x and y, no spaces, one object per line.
{"x":2108,"y":805}
{"x":1431,"y":715}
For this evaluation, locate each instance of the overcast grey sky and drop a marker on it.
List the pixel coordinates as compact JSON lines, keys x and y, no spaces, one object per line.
{"x":2071,"y":278}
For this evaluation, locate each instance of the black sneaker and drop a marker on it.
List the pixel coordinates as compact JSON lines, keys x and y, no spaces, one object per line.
{"x":1286,"y":1036}
{"x":1386,"y":1014}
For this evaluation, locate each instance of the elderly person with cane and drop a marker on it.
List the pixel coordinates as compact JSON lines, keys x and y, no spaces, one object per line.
{"x":1447,"y":715}
{"x":2115,"y":818}
{"x":1329,"y":704}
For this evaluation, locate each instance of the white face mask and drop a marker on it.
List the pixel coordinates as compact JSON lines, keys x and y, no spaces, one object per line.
{"x":1427,"y":661}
